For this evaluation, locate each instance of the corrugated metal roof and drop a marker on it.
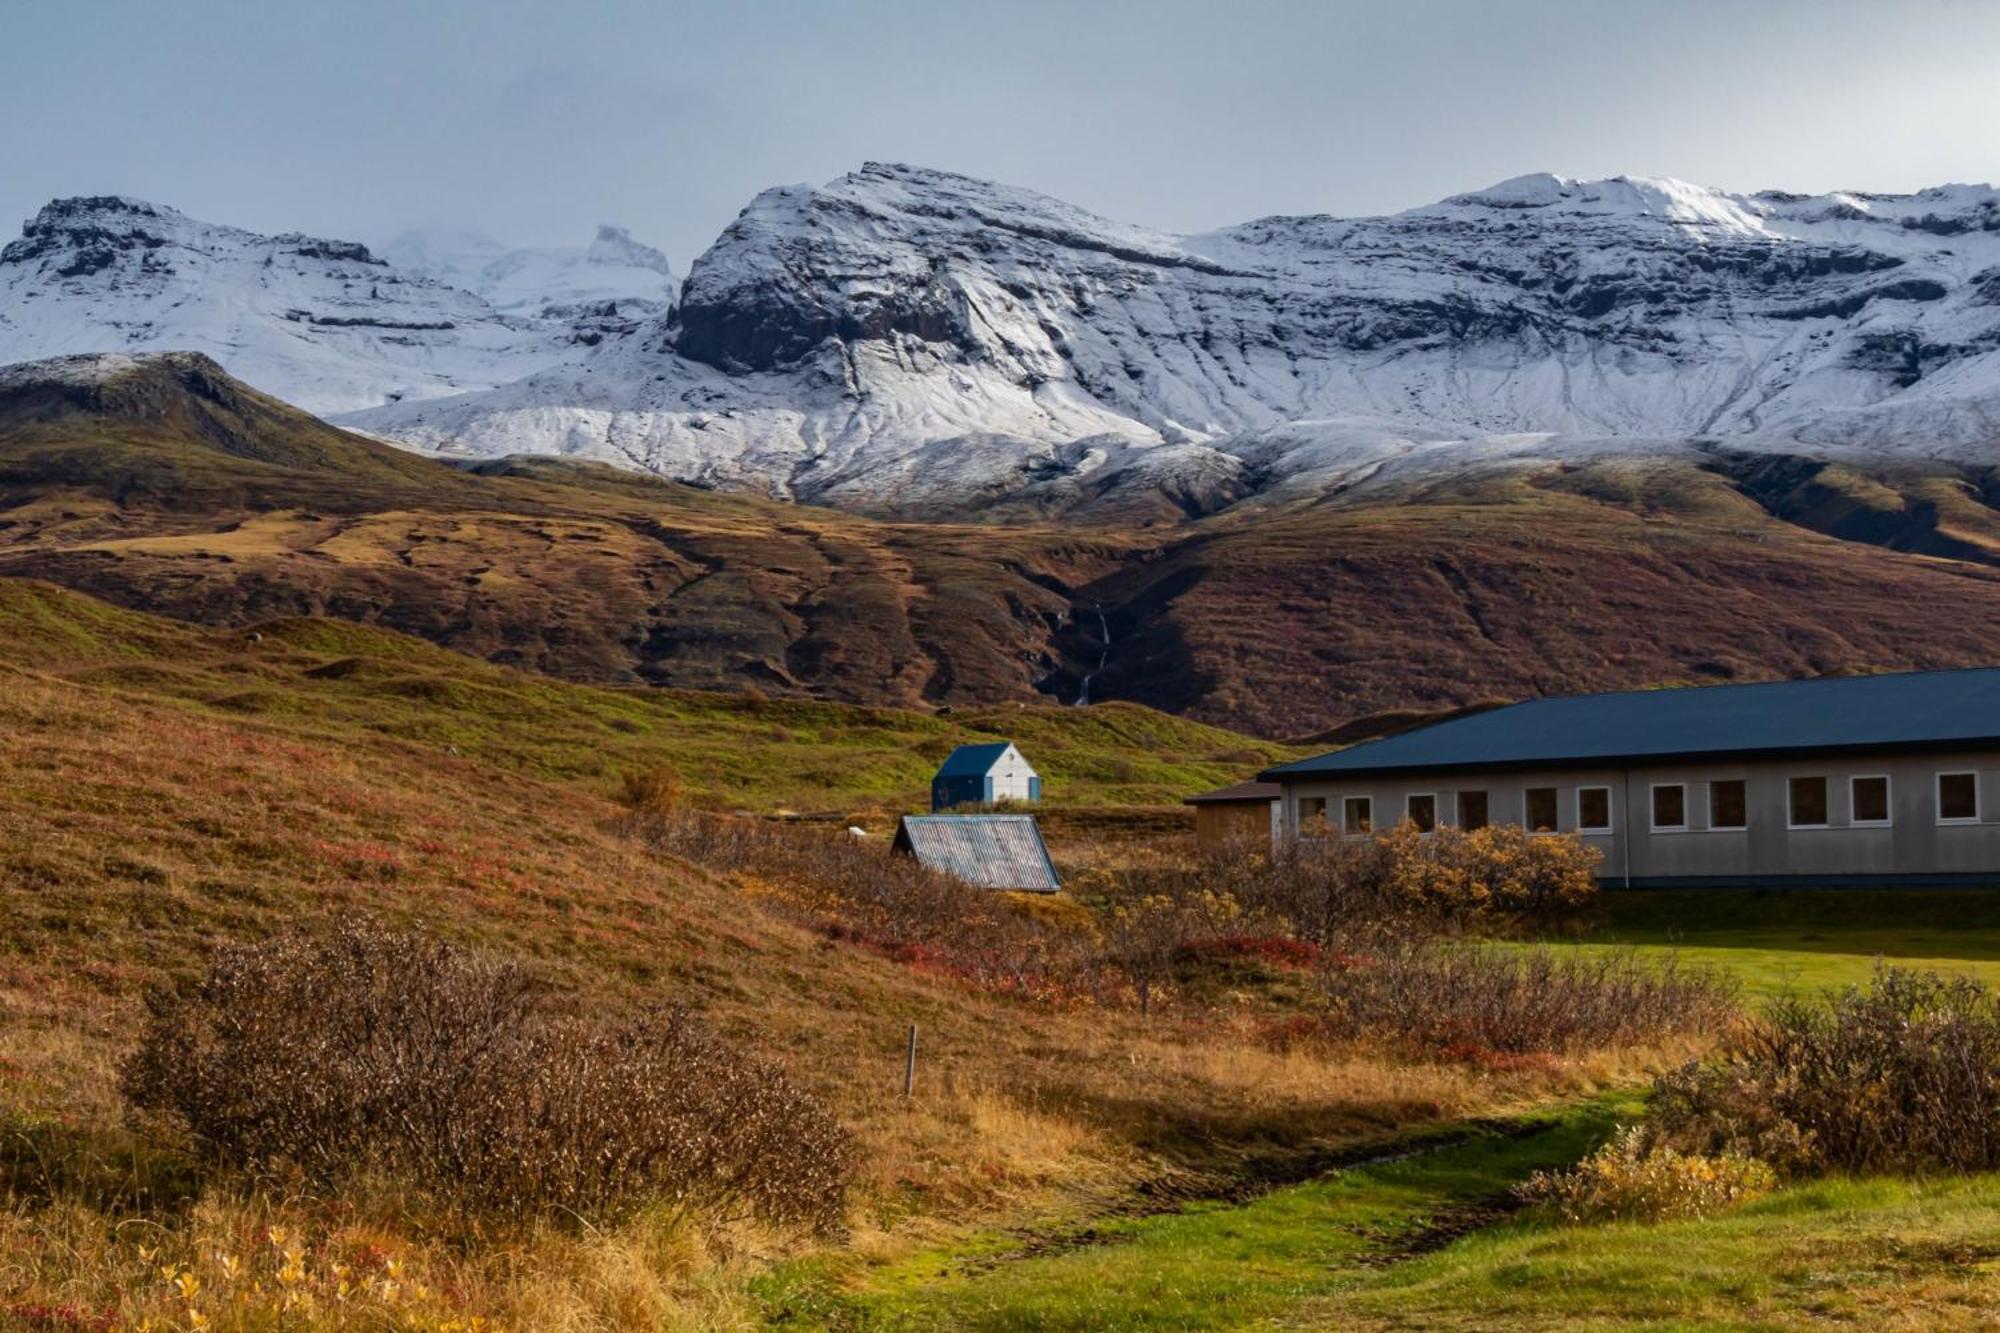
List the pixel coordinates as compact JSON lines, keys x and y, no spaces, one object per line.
{"x":1905,"y":711}
{"x":971,"y":761}
{"x":1242,"y":791}
{"x":986,"y":851}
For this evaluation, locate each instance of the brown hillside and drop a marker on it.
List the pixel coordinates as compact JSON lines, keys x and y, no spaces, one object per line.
{"x":173,"y":489}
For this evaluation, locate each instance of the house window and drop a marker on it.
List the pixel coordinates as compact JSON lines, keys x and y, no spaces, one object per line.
{"x":1958,"y":798}
{"x":1472,"y":809}
{"x":1808,"y":803}
{"x":1593,"y":809}
{"x":1869,"y":800}
{"x":1541,"y":809}
{"x":1357,"y":814}
{"x":1670,"y":807}
{"x":1728,"y":804}
{"x":1422,"y":810}
{"x":1312,"y":814}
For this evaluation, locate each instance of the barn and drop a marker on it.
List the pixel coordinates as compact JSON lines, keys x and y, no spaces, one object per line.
{"x":1849,"y":781}
{"x":984,"y":775}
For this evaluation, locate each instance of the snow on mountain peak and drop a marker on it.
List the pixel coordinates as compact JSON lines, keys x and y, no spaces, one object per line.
{"x":618,"y":278}
{"x":615,"y":246}
{"x":1674,"y":201}
{"x":835,"y":336}
{"x":321,"y":323}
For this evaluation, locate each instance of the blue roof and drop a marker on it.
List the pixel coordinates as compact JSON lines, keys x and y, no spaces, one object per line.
{"x":986,"y":851}
{"x":1907,"y":711}
{"x":971,"y":761}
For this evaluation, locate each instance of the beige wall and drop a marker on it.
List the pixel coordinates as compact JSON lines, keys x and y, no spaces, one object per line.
{"x":1913,"y":844}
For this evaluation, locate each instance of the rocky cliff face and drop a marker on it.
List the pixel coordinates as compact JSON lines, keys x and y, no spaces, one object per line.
{"x":833,"y":335}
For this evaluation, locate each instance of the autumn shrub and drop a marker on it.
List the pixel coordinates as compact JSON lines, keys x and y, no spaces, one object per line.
{"x":1902,"y":1075}
{"x":655,"y":790}
{"x":1633,"y":1179}
{"x":1500,"y":872}
{"x":1274,"y":950}
{"x":359,"y":1049}
{"x":1146,"y":936}
{"x":1328,"y":890}
{"x":1467,"y":999}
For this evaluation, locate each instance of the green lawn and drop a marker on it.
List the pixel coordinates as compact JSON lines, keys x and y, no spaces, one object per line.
{"x":1792,"y":939}
{"x":1215,"y":1266}
{"x":1854,"y":1253}
{"x":1355,"y":1250}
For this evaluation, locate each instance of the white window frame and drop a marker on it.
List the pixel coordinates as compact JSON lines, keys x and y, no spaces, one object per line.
{"x":1437,"y":810}
{"x":1744,"y":827}
{"x":1978,"y":801}
{"x":1790,"y":778}
{"x":1888,"y":801}
{"x":1347,"y":832}
{"x":1527,"y":821}
{"x":1653,"y":808}
{"x":1610,"y":818}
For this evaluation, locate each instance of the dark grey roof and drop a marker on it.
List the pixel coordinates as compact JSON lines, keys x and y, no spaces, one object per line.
{"x":1242,"y":791}
{"x":987,"y":851}
{"x":1907,"y":711}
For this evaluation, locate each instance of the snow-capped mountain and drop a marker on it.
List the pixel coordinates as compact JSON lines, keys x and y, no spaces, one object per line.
{"x":322,"y":323}
{"x":864,"y":340}
{"x":613,"y":269}
{"x":910,"y":340}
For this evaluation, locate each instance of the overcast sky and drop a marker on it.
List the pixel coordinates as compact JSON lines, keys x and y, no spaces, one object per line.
{"x":534,"y":121}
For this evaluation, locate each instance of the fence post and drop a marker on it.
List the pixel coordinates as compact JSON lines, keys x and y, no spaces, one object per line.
{"x":910,"y":1063}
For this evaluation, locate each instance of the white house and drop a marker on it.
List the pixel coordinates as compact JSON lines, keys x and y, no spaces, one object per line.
{"x":984,"y":775}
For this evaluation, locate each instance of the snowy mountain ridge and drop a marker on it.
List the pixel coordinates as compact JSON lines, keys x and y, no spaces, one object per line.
{"x":325,"y":324}
{"x":909,"y":340}
{"x":856,"y":341}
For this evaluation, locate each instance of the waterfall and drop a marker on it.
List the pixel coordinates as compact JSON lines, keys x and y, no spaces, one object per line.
{"x":1103,"y":656}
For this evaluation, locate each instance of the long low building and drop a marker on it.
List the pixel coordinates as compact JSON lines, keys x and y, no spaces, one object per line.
{"x":1845,"y":781}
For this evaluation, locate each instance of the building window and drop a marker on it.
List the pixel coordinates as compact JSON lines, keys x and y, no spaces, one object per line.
{"x":1808,"y":803}
{"x":1958,"y":798}
{"x":1472,"y":809}
{"x":1670,"y":807}
{"x":1593,"y":809}
{"x":1541,"y":809}
{"x":1869,"y":800}
{"x":1422,"y":810}
{"x":1312,"y":814}
{"x":1728,"y":804}
{"x":1357,"y":814}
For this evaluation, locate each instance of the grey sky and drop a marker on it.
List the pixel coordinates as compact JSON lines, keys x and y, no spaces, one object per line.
{"x":533,"y":121}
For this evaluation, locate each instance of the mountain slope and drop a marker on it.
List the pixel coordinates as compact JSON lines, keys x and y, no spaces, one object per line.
{"x":833,"y":335}
{"x":164,"y":486}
